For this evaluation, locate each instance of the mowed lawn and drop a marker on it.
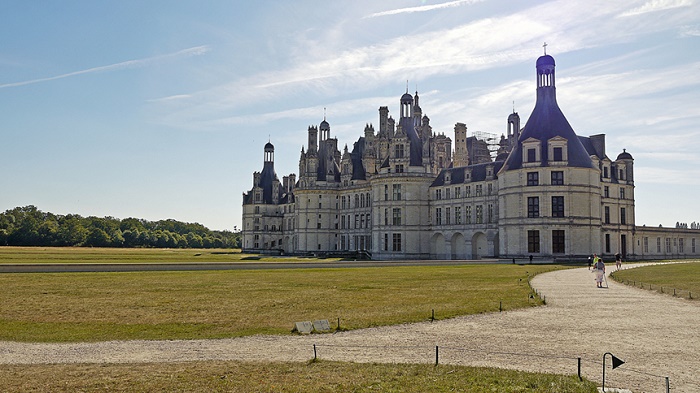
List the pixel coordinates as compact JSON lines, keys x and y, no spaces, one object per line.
{"x":281,"y":377}
{"x":44,"y":255}
{"x":73,"y":307}
{"x":684,"y":277}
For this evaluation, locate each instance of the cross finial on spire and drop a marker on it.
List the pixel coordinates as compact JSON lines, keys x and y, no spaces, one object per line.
{"x":513,"y":106}
{"x":324,"y":113}
{"x":545,"y":48}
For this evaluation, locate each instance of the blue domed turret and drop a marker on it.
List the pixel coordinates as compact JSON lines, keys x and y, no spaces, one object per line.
{"x":545,"y":60}
{"x":624,"y":155}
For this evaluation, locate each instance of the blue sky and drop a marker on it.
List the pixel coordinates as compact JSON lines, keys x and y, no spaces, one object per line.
{"x":160,"y":109}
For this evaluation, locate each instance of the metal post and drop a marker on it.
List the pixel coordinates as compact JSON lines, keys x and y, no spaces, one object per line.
{"x":668,"y":386}
{"x":500,"y":306}
{"x":579,"y":370}
{"x":432,"y":318}
{"x":437,"y":356}
{"x":315,"y":352}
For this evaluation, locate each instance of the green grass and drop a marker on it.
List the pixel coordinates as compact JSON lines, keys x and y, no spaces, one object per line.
{"x":319,"y":376}
{"x":74,"y":307}
{"x":683,"y":277}
{"x":34,"y":255}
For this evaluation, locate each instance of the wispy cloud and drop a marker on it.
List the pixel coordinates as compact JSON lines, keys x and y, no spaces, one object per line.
{"x":194,"y":51}
{"x":657,"y":5}
{"x":423,"y":8}
{"x":690,"y":31}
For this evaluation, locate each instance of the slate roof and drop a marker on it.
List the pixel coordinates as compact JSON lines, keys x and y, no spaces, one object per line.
{"x":478,"y":173}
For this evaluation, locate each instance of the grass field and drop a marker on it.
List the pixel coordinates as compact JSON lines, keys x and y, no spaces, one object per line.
{"x":29,"y":255}
{"x":320,"y":376}
{"x":65,"y":307}
{"x":683,"y":277}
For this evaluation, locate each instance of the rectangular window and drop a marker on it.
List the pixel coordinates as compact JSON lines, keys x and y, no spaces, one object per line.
{"x":646,"y":245}
{"x":692,"y":245}
{"x":386,"y":193}
{"x":681,"y":246}
{"x":398,"y":153}
{"x":607,"y":214}
{"x":458,"y":192}
{"x":658,"y":244}
{"x":623,"y":216}
{"x":606,"y":191}
{"x":399,"y":168}
{"x":458,"y":215}
{"x":396,"y":216}
{"x":397,"y":192}
{"x":447,"y":193}
{"x":468,"y":191}
{"x":490,"y":189}
{"x":468,"y":215}
{"x":479,"y":189}
{"x":622,"y":174}
{"x":557,"y":206}
{"x":438,"y":194}
{"x":396,"y":237}
{"x":605,"y":172}
{"x":531,"y":155}
{"x":386,"y":216}
{"x":533,"y":207}
{"x":362,"y":220}
{"x":447,"y":216}
{"x":386,"y":242}
{"x":558,"y":246}
{"x":533,"y":241}
{"x":479,"y":214}
{"x":490,"y":214}
{"x":557,"y":178}
{"x":668,"y":245}
{"x":357,"y":221}
{"x":557,"y":153}
{"x":607,"y":242}
{"x":622,"y":193}
{"x":533,"y":179}
{"x":438,"y":216}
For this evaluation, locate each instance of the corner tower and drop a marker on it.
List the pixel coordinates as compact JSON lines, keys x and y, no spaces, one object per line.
{"x":549,"y":188}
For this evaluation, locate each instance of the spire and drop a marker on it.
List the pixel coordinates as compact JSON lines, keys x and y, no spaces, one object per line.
{"x":545,"y":48}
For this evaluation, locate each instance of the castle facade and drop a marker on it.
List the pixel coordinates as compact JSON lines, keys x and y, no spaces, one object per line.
{"x":402,"y":192}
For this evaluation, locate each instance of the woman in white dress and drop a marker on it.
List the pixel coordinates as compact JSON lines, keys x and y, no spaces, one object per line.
{"x":599,"y":269}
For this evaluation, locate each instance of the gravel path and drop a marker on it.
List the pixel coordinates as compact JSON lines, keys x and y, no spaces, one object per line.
{"x":656,"y":335}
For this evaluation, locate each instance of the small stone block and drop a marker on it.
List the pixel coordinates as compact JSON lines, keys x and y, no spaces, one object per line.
{"x":303,"y":327}
{"x":322,"y":325}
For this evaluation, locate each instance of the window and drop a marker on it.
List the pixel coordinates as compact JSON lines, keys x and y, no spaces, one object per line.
{"x":622,"y":174}
{"x":447,"y":193}
{"x":386,"y":242}
{"x":533,"y":179}
{"x":607,"y":214}
{"x":458,"y":215}
{"x":533,"y":207}
{"x":557,"y":178}
{"x":557,"y":154}
{"x":397,"y":192}
{"x":447,"y":216}
{"x":623,"y":216}
{"x":468,"y":191}
{"x":362,"y":220}
{"x":680,"y":246}
{"x":479,"y":214}
{"x":479,"y":188}
{"x":396,"y":242}
{"x":399,"y":168}
{"x":357,"y":221}
{"x":438,"y":194}
{"x":668,"y":245}
{"x":605,"y":172}
{"x":438,"y":216}
{"x":558,"y":246}
{"x":606,"y":191}
{"x":396,"y":216}
{"x":468,"y":215}
{"x":531,"y":155}
{"x":557,"y":206}
{"x":458,"y":192}
{"x":490,"y":214}
{"x":362,"y":200}
{"x":533,"y":241}
{"x":367,"y":199}
{"x":490,"y":188}
{"x":357,"y":201}
{"x":646,"y":244}
{"x":622,"y":193}
{"x":398,"y":151}
{"x":658,"y":244}
{"x":692,"y":245}
{"x":257,"y":209}
{"x":386,"y":192}
{"x":343,"y":202}
{"x":386,"y":216}
{"x":607,"y":242}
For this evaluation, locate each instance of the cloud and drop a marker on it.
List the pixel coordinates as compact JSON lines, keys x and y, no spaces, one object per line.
{"x":423,"y":8}
{"x":194,"y":51}
{"x":656,"y":5}
{"x":690,"y":31}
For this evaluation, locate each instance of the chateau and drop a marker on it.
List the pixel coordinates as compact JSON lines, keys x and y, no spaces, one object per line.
{"x":402,"y":192}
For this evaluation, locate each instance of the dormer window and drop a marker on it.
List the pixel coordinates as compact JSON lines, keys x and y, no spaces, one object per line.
{"x":531,"y":152}
{"x":557,"y":151}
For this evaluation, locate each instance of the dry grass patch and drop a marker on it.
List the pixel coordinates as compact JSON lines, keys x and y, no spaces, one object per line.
{"x":280,"y":377}
{"x":66,"y":307}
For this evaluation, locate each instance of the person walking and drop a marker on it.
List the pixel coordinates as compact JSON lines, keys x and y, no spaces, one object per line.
{"x":590,"y":262}
{"x":599,"y":269}
{"x":618,"y":261}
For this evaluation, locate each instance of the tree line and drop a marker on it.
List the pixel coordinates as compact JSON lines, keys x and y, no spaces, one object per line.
{"x":29,"y":226}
